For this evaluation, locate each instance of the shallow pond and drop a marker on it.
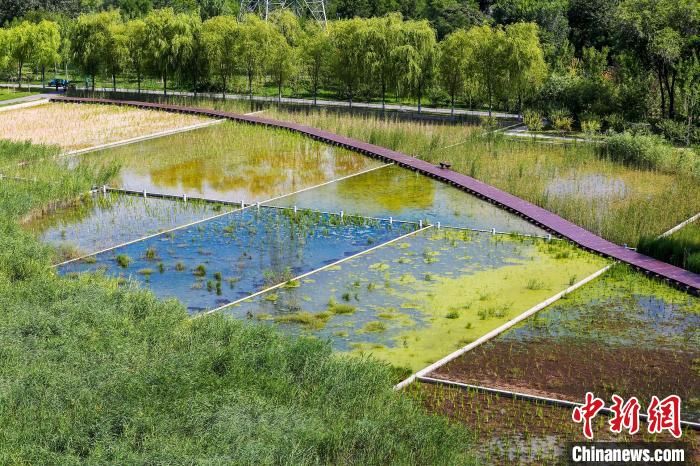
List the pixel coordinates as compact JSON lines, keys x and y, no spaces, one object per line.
{"x":230,"y":257}
{"x":588,"y":186}
{"x":230,"y":161}
{"x":417,"y":300}
{"x":622,"y":334}
{"x":104,"y":221}
{"x":407,"y":195}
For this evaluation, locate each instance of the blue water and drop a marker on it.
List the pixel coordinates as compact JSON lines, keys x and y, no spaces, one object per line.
{"x":407,"y":195}
{"x":383,"y":283}
{"x":250,"y":249}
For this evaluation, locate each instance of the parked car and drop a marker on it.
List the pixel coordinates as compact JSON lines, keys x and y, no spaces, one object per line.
{"x":58,"y":82}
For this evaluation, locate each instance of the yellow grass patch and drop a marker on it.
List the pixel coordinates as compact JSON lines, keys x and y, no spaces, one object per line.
{"x":79,"y":126}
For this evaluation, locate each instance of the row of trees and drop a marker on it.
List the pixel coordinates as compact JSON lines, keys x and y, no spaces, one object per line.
{"x":359,"y":57}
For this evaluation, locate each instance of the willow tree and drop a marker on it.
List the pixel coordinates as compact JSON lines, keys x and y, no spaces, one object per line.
{"x":315,"y":56}
{"x":136,"y":42}
{"x":383,"y":39}
{"x":527,"y":68}
{"x":116,"y":51}
{"x":89,"y":42}
{"x":488,"y":53}
{"x":46,"y":46}
{"x":455,"y":55}
{"x":253,"y":48}
{"x":220,"y":36}
{"x":282,"y":62}
{"x":169,"y":42}
{"x":418,"y":62}
{"x":22,"y":43}
{"x":350,"y":58}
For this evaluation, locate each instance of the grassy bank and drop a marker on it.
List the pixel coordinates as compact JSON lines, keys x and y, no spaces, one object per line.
{"x":92,"y":372}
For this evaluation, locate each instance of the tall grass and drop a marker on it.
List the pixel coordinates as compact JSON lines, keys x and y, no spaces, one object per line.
{"x":681,"y":249}
{"x":93,"y":372}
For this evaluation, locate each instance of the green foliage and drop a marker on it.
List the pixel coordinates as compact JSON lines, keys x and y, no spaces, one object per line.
{"x":561,"y":120}
{"x":681,"y":249}
{"x":590,"y":126}
{"x":652,"y":152}
{"x":533,"y":120}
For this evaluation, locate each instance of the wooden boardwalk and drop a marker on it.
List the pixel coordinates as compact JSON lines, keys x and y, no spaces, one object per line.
{"x":541,"y":217}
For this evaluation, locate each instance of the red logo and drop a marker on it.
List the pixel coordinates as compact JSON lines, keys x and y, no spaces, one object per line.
{"x":587,"y":412}
{"x":663,"y":415}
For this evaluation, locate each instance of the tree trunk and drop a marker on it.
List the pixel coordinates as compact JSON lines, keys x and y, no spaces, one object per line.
{"x":315,"y":93}
{"x":19,"y":77}
{"x":93,"y":83}
{"x":383,"y":96}
{"x":452,"y":104}
{"x":420,"y":96}
{"x":43,"y":76}
{"x":138,"y":81}
{"x":165,"y":85}
{"x":279,"y":91}
{"x":671,"y":96}
{"x":114,"y":83}
{"x":224,"y":93}
{"x":490,"y":102}
{"x":663,"y":93}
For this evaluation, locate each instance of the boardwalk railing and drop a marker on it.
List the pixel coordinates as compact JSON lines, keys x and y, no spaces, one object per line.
{"x":537,"y":215}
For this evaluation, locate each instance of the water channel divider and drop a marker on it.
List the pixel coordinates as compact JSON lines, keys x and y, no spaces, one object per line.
{"x":681,"y":225}
{"x":243,"y":206}
{"x":312,"y":272}
{"x":532,"y":398}
{"x":497,"y":331}
{"x":185,"y":198}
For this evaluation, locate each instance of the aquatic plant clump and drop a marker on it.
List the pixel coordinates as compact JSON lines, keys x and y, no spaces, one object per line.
{"x":412,"y":302}
{"x":249,"y":250}
{"x":572,"y":347}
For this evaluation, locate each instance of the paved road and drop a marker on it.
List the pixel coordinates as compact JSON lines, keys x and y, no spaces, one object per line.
{"x":28,"y":98}
{"x":298,"y":101}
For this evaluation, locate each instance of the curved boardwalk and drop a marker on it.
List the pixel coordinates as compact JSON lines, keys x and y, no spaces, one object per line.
{"x":537,"y":215}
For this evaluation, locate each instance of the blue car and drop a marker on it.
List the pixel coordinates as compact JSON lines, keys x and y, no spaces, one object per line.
{"x":57,"y":82}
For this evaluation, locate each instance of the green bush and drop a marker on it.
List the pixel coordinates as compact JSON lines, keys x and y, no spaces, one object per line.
{"x":533,"y":120}
{"x":591,"y":126}
{"x":561,"y":120}
{"x":652,"y":152}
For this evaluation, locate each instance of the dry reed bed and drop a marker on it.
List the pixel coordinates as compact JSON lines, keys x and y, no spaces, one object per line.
{"x":74,"y":126}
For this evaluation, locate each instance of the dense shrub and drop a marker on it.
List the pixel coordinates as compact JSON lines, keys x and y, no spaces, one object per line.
{"x":678,"y":132}
{"x":562,"y":120}
{"x":533,"y":120}
{"x":651,"y":152}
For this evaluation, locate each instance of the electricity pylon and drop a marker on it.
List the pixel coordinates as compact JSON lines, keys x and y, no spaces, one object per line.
{"x":315,"y":8}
